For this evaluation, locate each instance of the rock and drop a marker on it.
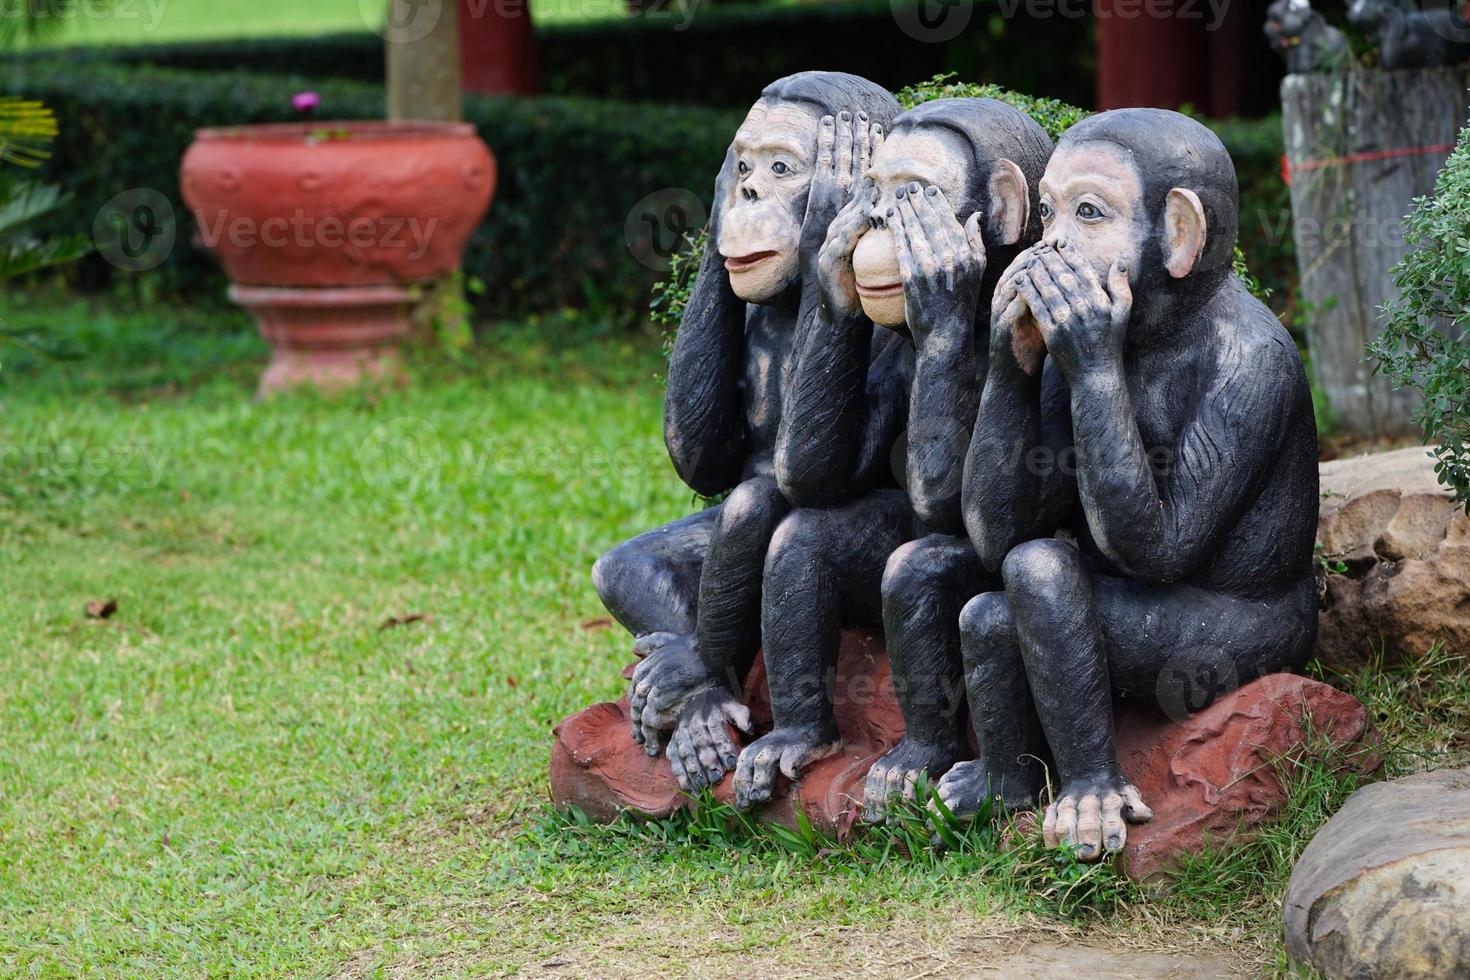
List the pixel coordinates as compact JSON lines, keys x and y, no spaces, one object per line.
{"x":1383,"y":890}
{"x":1207,"y":778}
{"x":1406,"y":544}
{"x":595,"y":764}
{"x":1213,"y":777}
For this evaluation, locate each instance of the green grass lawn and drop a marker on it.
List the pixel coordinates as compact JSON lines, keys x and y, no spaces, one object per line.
{"x":244,"y":772}
{"x":157,"y":21}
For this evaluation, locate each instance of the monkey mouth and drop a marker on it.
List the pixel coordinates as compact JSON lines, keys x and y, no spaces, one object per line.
{"x":880,"y":292}
{"x":744,"y":263}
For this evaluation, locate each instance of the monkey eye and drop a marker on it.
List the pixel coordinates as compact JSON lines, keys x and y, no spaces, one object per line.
{"x":780,"y":169}
{"x":1046,"y":211}
{"x":1088,"y":211}
{"x":743,"y":167}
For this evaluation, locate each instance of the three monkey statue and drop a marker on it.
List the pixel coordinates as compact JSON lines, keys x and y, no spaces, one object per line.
{"x":1005,"y":400}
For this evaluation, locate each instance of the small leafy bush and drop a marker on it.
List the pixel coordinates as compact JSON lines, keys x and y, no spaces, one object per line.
{"x":1424,"y":344}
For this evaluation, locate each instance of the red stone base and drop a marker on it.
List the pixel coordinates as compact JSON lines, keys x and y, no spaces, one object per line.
{"x":1208,"y":778}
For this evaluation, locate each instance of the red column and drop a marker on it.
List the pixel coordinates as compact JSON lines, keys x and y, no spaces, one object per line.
{"x":497,"y":47}
{"x":1149,"y":56}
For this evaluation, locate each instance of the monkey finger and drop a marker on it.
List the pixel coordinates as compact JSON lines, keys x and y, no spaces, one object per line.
{"x":843,"y":148}
{"x":677,"y":765}
{"x":1120,"y":291}
{"x":1066,"y":825}
{"x":1049,"y":826}
{"x":975,"y":238}
{"x":689,"y":757}
{"x":907,"y":270}
{"x":1040,"y":312}
{"x":826,"y":139}
{"x":1072,"y":287}
{"x":860,"y":147}
{"x":718,"y":734}
{"x":876,"y":136}
{"x":920,"y":247}
{"x":944,"y":233}
{"x":1057,"y":306}
{"x":1114,"y":830}
{"x":738,"y":715}
{"x":1089,"y":827}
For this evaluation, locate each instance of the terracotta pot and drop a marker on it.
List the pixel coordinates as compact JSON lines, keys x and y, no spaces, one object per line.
{"x":313,"y":212}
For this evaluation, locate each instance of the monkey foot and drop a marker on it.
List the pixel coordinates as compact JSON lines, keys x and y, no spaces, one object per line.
{"x":785,"y":751}
{"x":702,"y":749}
{"x":965,"y":789}
{"x":1092,"y":814}
{"x":897,"y":773}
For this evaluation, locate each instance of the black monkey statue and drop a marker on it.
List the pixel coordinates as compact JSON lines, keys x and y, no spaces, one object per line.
{"x":947,"y":204}
{"x":1303,"y":38}
{"x":1411,"y":38}
{"x":689,"y":592}
{"x":1140,"y":399}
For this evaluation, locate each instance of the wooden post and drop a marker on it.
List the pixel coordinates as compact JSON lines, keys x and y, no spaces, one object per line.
{"x":1360,"y":147}
{"x":422,"y":49}
{"x":498,"y":47}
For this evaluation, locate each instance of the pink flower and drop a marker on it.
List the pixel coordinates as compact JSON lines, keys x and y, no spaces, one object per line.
{"x":306,"y":102}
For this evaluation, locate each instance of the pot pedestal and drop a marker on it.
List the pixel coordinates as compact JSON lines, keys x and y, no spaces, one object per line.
{"x":330,"y":337}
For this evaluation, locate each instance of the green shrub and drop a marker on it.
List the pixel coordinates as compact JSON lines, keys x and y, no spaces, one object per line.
{"x":1424,"y":344}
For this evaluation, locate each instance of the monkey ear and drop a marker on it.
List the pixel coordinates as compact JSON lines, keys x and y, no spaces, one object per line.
{"x":1010,"y":202}
{"x":1184,"y":231}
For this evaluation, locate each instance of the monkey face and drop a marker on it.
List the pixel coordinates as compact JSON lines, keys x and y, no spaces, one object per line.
{"x":928,"y":156}
{"x":1092,"y":206}
{"x":760,"y":230}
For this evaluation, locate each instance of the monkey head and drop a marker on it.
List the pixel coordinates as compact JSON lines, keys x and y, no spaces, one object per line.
{"x":763,"y":202}
{"x":1148,"y":188}
{"x":984,"y":156}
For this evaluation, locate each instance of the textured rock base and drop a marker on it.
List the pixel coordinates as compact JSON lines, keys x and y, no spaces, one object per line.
{"x":1383,"y":890}
{"x":1208,"y":778}
{"x":1406,"y":545}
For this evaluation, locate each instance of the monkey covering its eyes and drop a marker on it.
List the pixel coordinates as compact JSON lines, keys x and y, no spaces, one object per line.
{"x":1160,"y":415}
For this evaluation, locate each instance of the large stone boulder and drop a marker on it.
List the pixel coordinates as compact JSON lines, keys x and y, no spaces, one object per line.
{"x":1406,"y":545}
{"x":1383,"y":890}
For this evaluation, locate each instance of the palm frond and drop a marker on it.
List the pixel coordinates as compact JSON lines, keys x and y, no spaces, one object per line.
{"x":24,"y":201}
{"x":26,"y":131}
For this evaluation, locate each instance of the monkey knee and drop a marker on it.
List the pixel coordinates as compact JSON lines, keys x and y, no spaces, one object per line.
{"x":1043,"y":569}
{"x":985,"y":622}
{"x":753,"y":504}
{"x":910,"y":577}
{"x":623,"y":575}
{"x":798,"y":545}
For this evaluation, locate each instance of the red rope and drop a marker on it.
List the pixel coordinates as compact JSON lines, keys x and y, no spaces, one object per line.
{"x":1288,"y":168}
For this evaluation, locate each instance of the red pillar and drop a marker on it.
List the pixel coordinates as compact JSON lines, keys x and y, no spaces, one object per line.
{"x":497,"y":47}
{"x":1149,"y":56}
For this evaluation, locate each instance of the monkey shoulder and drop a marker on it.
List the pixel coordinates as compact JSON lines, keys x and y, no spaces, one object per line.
{"x":1254,"y":356}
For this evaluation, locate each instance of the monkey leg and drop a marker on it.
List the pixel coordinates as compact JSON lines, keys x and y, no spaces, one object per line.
{"x":1011,"y":766}
{"x":925,"y":585}
{"x":650,"y":584}
{"x":726,"y":639}
{"x":824,"y":568}
{"x":1084,"y":637}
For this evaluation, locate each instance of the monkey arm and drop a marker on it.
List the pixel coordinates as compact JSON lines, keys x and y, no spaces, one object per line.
{"x":1160,"y":511}
{"x":840,"y":418}
{"x":1018,"y":485}
{"x":942,"y":408}
{"x":704,"y":419}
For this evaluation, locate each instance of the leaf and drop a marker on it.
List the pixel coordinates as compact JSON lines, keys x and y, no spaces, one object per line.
{"x":101,"y":608}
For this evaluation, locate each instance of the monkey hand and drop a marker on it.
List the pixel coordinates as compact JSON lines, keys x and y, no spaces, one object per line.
{"x":1081,"y":322}
{"x":702,"y":748}
{"x":669,"y":675}
{"x":836,"y":281}
{"x":1015,"y":339}
{"x":845,"y":146}
{"x":940,"y":264}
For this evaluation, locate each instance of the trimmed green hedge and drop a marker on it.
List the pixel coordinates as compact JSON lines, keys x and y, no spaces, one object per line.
{"x":719,"y":56}
{"x":571,"y":172}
